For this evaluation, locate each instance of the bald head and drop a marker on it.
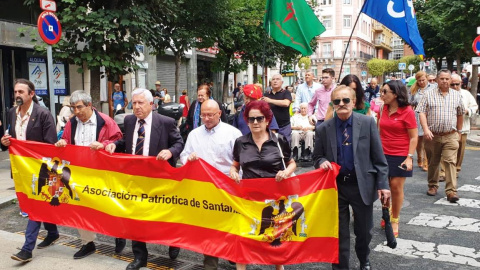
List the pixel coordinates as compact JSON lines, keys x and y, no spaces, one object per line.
{"x":210,"y":113}
{"x":374,"y":82}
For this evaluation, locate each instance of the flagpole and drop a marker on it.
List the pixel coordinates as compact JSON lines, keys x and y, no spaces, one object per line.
{"x":349,"y":39}
{"x":269,"y":8}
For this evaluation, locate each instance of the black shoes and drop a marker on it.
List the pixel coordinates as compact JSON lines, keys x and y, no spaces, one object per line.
{"x":48,"y":241}
{"x":23,"y":256}
{"x":295,"y":153}
{"x":136,"y":264}
{"x":173,"y":252}
{"x":308,"y":155}
{"x":365,"y":266}
{"x":85,"y":250}
{"x":119,"y":244}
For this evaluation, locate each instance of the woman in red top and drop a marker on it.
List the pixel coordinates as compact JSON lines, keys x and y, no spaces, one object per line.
{"x":399,"y":135}
{"x":184,"y":100}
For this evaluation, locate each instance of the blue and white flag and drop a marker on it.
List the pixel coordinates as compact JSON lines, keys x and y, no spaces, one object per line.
{"x":398,"y":16}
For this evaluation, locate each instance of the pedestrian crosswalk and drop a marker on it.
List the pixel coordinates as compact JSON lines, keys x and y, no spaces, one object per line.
{"x":439,"y":250}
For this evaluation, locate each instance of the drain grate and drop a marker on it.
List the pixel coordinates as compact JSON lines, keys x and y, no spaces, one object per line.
{"x":156,"y":262}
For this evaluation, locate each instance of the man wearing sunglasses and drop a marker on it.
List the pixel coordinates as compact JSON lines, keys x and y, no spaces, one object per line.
{"x":352,"y":141}
{"x":441,"y":116}
{"x":471,"y":108}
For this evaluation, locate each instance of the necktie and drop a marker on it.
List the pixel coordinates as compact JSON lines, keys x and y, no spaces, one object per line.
{"x":141,"y":138}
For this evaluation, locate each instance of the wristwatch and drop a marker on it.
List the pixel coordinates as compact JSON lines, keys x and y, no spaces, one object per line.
{"x":410,"y":155}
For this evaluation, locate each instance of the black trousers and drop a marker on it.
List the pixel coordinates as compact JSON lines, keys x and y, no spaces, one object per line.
{"x":349,"y":195}
{"x":140,"y":251}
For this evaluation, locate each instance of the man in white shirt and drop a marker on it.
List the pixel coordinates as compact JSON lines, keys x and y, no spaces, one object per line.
{"x":302,"y":130}
{"x":305,"y":91}
{"x":213,"y":142}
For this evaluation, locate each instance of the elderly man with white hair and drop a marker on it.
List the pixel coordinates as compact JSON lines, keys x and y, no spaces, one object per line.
{"x":148,"y":133}
{"x":302,"y":130}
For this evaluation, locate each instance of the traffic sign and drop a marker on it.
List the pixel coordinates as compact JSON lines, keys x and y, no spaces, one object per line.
{"x":48,"y":5}
{"x":476,"y":61}
{"x":402,"y":66}
{"x":49,"y":27}
{"x":476,"y":46}
{"x":411,"y":67}
{"x":364,"y":73}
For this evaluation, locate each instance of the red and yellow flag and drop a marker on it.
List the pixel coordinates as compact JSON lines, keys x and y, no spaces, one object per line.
{"x":194,"y":207}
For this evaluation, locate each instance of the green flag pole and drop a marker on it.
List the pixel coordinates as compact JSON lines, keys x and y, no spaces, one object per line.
{"x":349,"y":39}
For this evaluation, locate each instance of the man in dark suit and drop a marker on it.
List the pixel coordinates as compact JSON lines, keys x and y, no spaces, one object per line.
{"x":352,"y":140}
{"x":29,"y":121}
{"x":148,"y":133}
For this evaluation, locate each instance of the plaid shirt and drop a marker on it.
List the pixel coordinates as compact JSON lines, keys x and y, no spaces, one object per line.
{"x":441,"y":111}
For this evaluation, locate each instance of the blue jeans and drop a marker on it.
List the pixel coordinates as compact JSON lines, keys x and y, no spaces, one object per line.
{"x":31,"y":233}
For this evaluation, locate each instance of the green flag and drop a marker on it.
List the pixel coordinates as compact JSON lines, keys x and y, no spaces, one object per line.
{"x":292,"y":23}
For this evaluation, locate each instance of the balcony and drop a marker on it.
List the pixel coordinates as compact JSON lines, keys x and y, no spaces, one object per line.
{"x":378,"y":27}
{"x":381,"y":44}
{"x":327,"y":54}
{"x":366,"y":56}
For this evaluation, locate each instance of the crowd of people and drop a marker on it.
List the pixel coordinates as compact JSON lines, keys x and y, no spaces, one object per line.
{"x":371,"y":133}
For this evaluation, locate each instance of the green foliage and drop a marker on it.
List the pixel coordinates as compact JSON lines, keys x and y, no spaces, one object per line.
{"x":377,"y":67}
{"x":307,"y":63}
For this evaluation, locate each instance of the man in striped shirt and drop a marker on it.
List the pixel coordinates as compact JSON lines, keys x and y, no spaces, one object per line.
{"x":441,"y":116}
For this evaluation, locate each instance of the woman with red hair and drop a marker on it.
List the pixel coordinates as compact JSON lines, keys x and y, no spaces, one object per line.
{"x":261,"y":153}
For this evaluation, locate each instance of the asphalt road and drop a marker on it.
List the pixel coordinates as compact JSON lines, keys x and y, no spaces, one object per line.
{"x":432,"y":235}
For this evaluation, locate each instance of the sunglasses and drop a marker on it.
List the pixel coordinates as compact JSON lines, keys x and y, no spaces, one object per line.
{"x":337,"y":101}
{"x":259,"y":119}
{"x":454,"y":84}
{"x":385,"y":92}
{"x":431,"y":80}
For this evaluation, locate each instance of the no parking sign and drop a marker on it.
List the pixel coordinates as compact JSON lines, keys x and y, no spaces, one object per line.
{"x":49,"y":27}
{"x":476,"y":46}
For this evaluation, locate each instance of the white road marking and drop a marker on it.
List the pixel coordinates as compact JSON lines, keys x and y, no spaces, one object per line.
{"x":446,"y":222}
{"x":471,"y":188}
{"x":432,"y":251}
{"x":462,"y":202}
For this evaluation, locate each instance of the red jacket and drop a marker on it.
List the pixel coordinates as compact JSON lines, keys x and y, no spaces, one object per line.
{"x":107,"y":130}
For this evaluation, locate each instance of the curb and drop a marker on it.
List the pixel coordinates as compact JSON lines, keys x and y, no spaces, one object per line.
{"x":473,"y":142}
{"x":7,"y":200}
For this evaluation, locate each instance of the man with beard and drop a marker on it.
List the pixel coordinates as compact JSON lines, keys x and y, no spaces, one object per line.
{"x":29,"y":121}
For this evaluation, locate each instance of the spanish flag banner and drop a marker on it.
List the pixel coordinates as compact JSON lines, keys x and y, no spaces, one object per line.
{"x":195,"y":207}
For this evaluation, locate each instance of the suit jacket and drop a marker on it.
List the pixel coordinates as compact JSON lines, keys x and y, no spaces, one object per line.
{"x":40,"y":127}
{"x":369,"y":161}
{"x":164,"y":135}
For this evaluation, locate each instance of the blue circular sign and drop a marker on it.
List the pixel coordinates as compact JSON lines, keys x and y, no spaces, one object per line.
{"x":49,"y":27}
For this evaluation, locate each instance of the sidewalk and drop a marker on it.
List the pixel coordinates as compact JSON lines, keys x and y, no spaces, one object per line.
{"x":58,"y":256}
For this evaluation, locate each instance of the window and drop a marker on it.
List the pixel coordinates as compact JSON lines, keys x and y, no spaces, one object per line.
{"x":325,"y":2}
{"x":327,"y":21}
{"x":347,"y":21}
{"x":347,"y":2}
{"x":327,"y":49}
{"x":346,"y":48}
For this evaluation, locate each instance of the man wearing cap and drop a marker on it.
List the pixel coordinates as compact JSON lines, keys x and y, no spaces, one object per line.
{"x":159,"y":94}
{"x":251,"y":92}
{"x":279,"y":100}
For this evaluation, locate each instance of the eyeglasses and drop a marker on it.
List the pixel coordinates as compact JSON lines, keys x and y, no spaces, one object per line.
{"x":207,"y":115}
{"x":384,"y":91}
{"x":337,"y":101}
{"x":78,"y":107}
{"x":259,"y":119}
{"x":454,"y":84}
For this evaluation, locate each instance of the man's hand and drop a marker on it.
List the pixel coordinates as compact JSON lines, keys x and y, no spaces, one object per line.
{"x":164,"y":155}
{"x":326,"y":165}
{"x":96,"y":146}
{"x":6,"y":140}
{"x":384,"y":195}
{"x":61,"y":143}
{"x":192,"y":157}
{"x":312,"y":120}
{"x":427,"y":134}
{"x":110,"y":148}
